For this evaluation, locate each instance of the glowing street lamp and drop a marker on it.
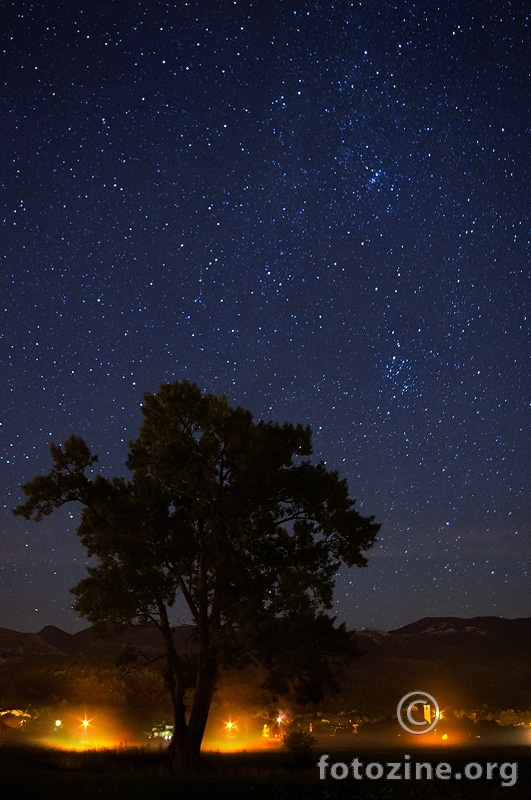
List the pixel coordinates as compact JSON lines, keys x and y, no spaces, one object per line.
{"x":280,"y":726}
{"x":85,"y":723}
{"x":231,"y":727}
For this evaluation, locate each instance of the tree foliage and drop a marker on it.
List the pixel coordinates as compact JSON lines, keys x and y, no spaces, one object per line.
{"x":232,"y":516}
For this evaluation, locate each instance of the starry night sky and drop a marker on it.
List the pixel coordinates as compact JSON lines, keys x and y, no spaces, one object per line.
{"x":320,"y":210}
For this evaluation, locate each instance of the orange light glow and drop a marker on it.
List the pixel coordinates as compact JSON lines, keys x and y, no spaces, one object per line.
{"x":236,"y":744}
{"x":86,"y":723}
{"x":232,"y":734}
{"x":230,"y":729}
{"x":77,"y":731}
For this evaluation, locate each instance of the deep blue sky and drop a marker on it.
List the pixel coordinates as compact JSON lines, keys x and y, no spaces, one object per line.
{"x":320,"y":210}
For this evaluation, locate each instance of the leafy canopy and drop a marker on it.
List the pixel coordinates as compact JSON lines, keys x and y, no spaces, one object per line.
{"x":227,"y":513}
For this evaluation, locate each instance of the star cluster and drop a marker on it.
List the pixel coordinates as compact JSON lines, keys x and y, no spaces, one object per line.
{"x":320,"y":210}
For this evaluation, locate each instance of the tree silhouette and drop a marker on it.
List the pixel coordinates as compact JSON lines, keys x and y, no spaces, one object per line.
{"x":230,"y":515}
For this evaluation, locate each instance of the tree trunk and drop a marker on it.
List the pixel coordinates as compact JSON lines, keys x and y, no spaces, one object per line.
{"x":185,"y":746}
{"x":185,"y":757}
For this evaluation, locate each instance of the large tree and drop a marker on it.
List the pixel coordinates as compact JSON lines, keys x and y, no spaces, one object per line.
{"x":230,"y":515}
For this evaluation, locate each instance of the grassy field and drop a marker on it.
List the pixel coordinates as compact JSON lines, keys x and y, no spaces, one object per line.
{"x":31,"y":772}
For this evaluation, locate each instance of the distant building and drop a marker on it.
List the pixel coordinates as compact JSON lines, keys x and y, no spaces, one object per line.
{"x":161,"y":732}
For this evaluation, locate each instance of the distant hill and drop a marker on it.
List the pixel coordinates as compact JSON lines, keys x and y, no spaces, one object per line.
{"x":58,"y":639}
{"x":146,"y":638}
{"x":497,"y":626}
{"x":464,"y":663}
{"x":15,"y":645}
{"x":53,"y":641}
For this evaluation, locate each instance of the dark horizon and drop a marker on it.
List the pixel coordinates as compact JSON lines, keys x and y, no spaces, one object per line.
{"x":413,"y":624}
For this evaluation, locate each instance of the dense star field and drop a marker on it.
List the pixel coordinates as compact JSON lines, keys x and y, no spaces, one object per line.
{"x":318,"y":209}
